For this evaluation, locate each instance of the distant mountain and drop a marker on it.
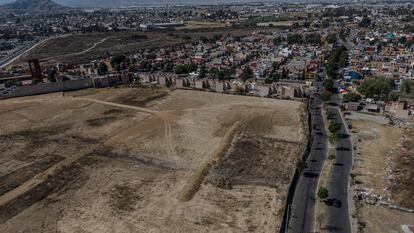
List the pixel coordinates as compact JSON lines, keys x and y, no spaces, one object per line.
{"x":32,"y":5}
{"x":126,"y":3}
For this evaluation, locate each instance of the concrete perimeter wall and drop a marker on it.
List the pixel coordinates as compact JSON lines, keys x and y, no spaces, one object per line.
{"x":44,"y":88}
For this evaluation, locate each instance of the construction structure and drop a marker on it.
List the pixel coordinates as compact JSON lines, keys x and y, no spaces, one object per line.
{"x":35,"y":69}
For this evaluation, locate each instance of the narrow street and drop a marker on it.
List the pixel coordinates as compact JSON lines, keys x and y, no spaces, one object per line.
{"x":338,"y":216}
{"x":302,"y":211}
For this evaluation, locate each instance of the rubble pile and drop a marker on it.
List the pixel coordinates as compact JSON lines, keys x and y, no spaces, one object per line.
{"x":399,"y":169}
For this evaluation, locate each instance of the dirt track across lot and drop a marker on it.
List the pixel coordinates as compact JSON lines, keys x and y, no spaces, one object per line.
{"x":140,"y":160}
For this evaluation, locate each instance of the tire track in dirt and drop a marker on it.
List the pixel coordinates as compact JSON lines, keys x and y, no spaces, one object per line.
{"x":60,"y":166}
{"x":169,"y":139}
{"x":167,"y":118}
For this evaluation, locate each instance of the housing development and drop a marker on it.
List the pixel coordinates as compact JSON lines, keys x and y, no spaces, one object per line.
{"x":233,"y":117}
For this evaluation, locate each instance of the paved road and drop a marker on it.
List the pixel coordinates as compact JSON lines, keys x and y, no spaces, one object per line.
{"x":13,"y":57}
{"x":338,"y":217}
{"x":302,"y":215}
{"x":6,"y":60}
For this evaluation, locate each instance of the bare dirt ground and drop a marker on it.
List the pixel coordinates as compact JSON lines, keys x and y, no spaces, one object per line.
{"x":402,"y":166}
{"x":376,"y":143}
{"x":78,"y":48}
{"x":83,"y":48}
{"x":119,"y":160}
{"x":201,"y":25}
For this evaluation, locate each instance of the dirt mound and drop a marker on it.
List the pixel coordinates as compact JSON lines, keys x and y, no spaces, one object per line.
{"x":19,"y":176}
{"x":50,"y":185}
{"x":198,"y":176}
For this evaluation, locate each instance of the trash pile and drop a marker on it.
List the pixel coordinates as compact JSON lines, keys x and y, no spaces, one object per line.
{"x":399,"y":168}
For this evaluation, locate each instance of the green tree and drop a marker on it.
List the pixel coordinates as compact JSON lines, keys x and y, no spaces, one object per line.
{"x":343,"y":59}
{"x":9,"y":83}
{"x":277,"y":40}
{"x":334,"y":127}
{"x":406,"y":87}
{"x":402,"y":40}
{"x":328,"y":84}
{"x":275,"y":77}
{"x":181,"y":69}
{"x":275,"y":66}
{"x":186,"y":68}
{"x":102,"y":69}
{"x":365,"y":22}
{"x":325,"y":96}
{"x":36,"y":81}
{"x":351,"y":97}
{"x":295,"y":38}
{"x":51,"y":75}
{"x":323,"y":193}
{"x":333,"y":138}
{"x":313,"y":38}
{"x":247,"y":73}
{"x":376,"y":88}
{"x":202,"y":71}
{"x":116,"y":62}
{"x":331,"y":38}
{"x":337,"y":59}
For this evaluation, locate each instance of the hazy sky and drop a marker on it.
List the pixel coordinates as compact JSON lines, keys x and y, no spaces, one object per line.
{"x":108,"y":3}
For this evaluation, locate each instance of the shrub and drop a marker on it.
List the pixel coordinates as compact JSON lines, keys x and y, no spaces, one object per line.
{"x":323,"y":193}
{"x":334,"y":138}
{"x":301,"y":165}
{"x":334,"y":127}
{"x":325,"y":96}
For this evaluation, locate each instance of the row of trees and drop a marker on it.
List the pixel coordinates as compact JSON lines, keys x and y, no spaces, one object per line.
{"x":331,"y":38}
{"x":351,"y":97}
{"x":334,"y":128}
{"x":220,"y":74}
{"x":337,"y":59}
{"x":378,"y":88}
{"x":186,"y":68}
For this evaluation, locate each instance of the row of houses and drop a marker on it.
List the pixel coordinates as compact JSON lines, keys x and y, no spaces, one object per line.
{"x":398,"y":109}
{"x":288,"y":90}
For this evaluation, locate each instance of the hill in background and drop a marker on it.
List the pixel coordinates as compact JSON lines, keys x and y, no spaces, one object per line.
{"x":32,"y":5}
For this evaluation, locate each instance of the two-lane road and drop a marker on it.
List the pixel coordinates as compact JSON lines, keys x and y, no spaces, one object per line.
{"x":338,"y":216}
{"x":302,"y":211}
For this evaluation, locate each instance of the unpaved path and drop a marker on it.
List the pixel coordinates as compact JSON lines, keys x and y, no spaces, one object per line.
{"x":42,"y":177}
{"x":31,"y":48}
{"x":38,"y":179}
{"x":166,"y":117}
{"x":78,"y":53}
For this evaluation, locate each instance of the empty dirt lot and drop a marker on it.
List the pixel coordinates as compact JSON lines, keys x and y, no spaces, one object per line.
{"x":380,"y":153}
{"x":146,"y":160}
{"x":83,"y":48}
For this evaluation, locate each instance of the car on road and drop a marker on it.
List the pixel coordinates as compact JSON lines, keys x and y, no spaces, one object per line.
{"x":337,"y":203}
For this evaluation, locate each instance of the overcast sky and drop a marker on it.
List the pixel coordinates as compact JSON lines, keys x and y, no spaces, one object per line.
{"x":109,"y":3}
